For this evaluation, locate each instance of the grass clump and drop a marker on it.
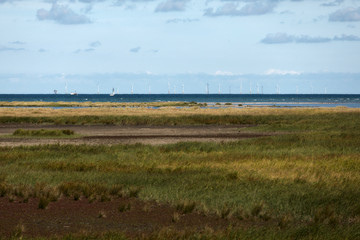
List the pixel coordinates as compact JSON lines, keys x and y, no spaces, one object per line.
{"x":101,"y":214}
{"x":43,"y":203}
{"x":186,"y":206}
{"x":43,"y":133}
{"x":134,"y":191}
{"x":225,"y":212}
{"x":175,"y":217}
{"x":18,"y":231}
{"x":124,"y":207}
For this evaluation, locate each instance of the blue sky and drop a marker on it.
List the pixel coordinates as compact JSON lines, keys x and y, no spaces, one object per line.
{"x":304,"y":46}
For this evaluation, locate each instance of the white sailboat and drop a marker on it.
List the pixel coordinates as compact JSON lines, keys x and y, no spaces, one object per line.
{"x":73,"y":93}
{"x":113,"y":93}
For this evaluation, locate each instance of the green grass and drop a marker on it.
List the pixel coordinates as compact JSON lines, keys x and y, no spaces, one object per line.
{"x":269,"y":122}
{"x":43,"y":133}
{"x":306,"y":180}
{"x":100,"y":104}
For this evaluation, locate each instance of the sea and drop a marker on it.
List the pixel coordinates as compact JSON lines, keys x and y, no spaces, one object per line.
{"x":272,"y":100}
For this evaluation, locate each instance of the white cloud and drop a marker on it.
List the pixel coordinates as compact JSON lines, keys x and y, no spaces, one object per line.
{"x":280,"y":38}
{"x":11,"y":49}
{"x":182,"y":20}
{"x":171,"y":6}
{"x":95,"y":44}
{"x":281,"y":72}
{"x":135,"y":49}
{"x":345,"y":15}
{"x":275,"y":38}
{"x":223,"y":73}
{"x":62,"y":14}
{"x":231,"y":9}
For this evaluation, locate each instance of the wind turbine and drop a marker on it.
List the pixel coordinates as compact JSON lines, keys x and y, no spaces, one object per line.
{"x":277,"y":89}
{"x":66,"y":88}
{"x":183,"y":88}
{"x":240,"y":86}
{"x":219,"y":89}
{"x":132,"y":88}
{"x":168,"y":87}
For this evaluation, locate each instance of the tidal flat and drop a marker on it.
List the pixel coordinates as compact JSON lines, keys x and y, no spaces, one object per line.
{"x":295,"y":177}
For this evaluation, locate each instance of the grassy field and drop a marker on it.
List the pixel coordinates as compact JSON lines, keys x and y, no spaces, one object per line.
{"x":99,"y":104}
{"x":304,"y":182}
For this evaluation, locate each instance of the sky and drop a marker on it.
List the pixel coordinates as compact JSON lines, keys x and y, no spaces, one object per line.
{"x":161,"y":46}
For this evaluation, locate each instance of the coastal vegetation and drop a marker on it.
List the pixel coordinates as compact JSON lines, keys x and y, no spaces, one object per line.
{"x":99,"y":104}
{"x":302,"y":183}
{"x":43,"y":133}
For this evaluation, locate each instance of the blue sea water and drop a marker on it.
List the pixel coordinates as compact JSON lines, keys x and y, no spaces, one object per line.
{"x":282,"y":100}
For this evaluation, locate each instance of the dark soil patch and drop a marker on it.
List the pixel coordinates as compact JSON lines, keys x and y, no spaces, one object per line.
{"x":114,"y":134}
{"x":67,"y":216}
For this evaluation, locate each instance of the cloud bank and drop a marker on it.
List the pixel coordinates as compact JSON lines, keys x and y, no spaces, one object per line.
{"x":281,"y":72}
{"x":231,"y":9}
{"x":281,"y":38}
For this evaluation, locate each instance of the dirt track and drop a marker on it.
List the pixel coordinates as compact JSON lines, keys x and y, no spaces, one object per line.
{"x":113,"y":134}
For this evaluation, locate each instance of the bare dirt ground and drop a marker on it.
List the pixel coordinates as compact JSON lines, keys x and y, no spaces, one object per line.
{"x":114,"y":134}
{"x":67,"y":216}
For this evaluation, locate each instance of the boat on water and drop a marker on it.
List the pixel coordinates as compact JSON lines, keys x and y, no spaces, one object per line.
{"x":113,"y":93}
{"x":73,"y":93}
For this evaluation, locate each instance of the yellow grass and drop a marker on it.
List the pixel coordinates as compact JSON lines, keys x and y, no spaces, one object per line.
{"x":106,"y":109}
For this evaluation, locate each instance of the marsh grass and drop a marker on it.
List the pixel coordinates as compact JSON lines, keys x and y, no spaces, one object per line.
{"x":101,"y":214}
{"x":175,"y":217}
{"x":305,"y":181}
{"x":124,"y":207}
{"x":99,"y":104}
{"x":185,"y":206}
{"x":43,"y":203}
{"x":43,"y":133}
{"x":18,"y":231}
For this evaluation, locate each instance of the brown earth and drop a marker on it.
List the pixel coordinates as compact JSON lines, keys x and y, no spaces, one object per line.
{"x":114,"y":134}
{"x":67,"y":216}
